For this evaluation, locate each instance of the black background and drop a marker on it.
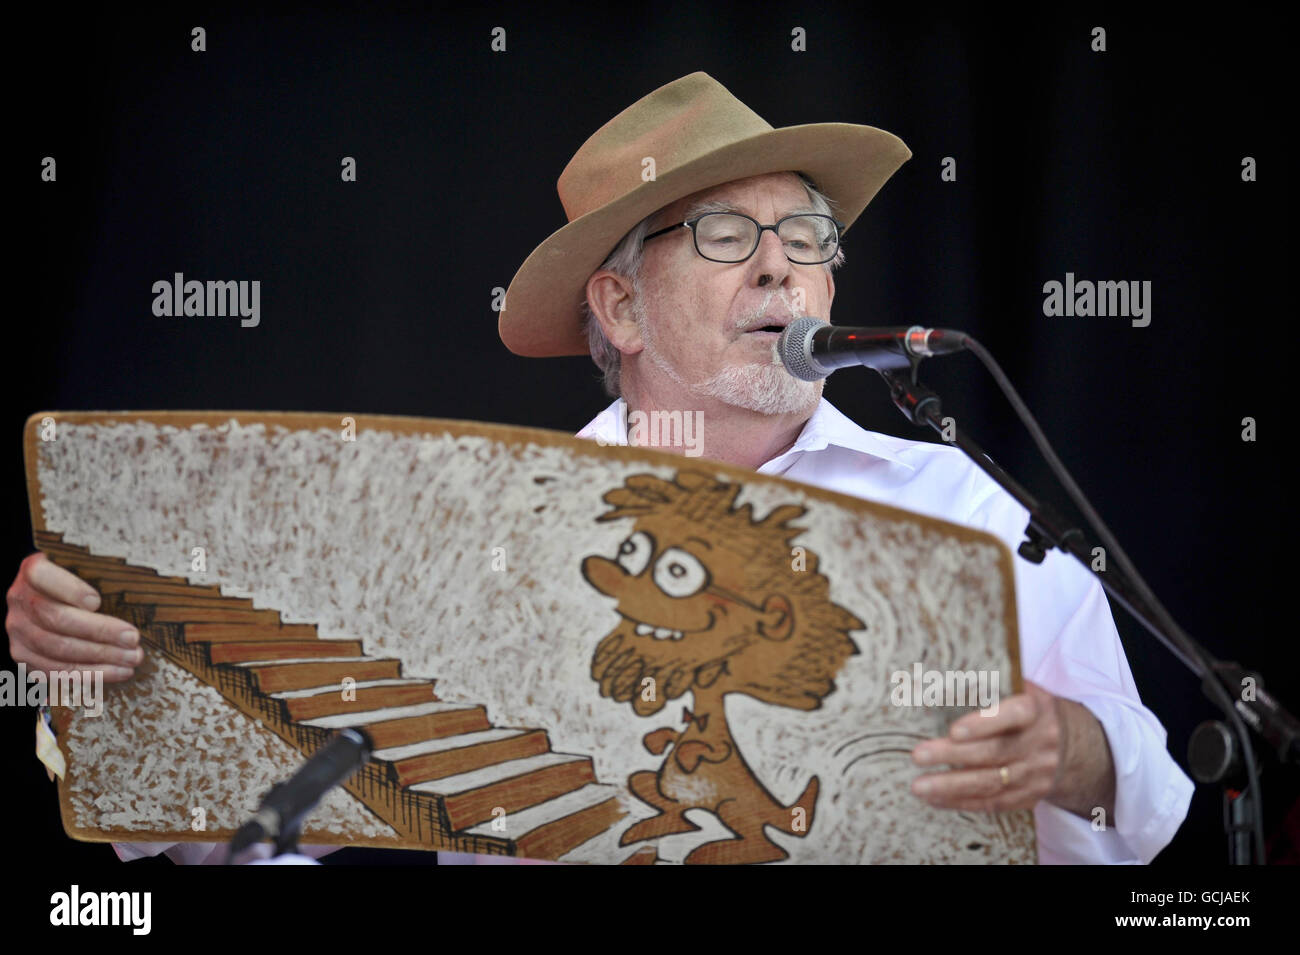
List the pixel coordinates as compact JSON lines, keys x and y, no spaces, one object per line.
{"x":1122,"y":165}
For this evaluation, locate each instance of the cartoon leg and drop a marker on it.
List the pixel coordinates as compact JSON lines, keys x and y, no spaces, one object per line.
{"x":646,"y":855}
{"x":645,"y":785}
{"x":750,"y":846}
{"x":797,"y":818}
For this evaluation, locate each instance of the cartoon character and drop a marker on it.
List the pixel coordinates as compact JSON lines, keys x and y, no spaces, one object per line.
{"x":713,"y":602}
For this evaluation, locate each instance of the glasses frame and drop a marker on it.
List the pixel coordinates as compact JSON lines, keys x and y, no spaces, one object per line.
{"x":758,"y":239}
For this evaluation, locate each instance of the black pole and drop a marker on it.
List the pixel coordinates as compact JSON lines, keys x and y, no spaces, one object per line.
{"x":1219,"y":680}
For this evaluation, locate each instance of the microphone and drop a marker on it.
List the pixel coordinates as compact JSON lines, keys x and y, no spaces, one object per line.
{"x":287,"y":803}
{"x":811,"y":349}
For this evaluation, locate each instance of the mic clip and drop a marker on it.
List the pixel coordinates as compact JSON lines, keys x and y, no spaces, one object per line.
{"x":918,"y":403}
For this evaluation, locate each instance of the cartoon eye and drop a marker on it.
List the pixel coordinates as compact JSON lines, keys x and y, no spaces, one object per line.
{"x":634,"y":553}
{"x":680,"y":574}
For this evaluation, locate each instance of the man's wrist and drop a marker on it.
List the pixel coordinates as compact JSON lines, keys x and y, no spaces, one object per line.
{"x":1087,"y":778}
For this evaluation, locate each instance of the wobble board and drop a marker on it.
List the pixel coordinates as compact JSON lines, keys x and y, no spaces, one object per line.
{"x":561,"y":650}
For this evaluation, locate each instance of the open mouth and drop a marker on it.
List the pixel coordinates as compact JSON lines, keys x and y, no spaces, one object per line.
{"x":659,"y":633}
{"x":767,"y":329}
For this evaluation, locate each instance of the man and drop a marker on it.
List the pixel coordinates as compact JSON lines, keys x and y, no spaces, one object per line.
{"x":720,"y":239}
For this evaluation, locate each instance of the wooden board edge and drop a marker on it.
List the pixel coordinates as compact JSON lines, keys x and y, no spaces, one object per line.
{"x":412,"y":425}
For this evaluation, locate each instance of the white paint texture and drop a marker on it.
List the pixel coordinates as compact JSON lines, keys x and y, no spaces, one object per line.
{"x":390,"y":539}
{"x":187,"y":747}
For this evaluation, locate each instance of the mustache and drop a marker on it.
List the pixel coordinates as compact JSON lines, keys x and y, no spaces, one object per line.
{"x":764,"y":308}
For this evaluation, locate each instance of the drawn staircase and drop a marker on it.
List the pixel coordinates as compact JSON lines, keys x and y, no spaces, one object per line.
{"x":441,"y":772}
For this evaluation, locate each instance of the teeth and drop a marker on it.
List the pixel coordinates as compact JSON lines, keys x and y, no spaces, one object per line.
{"x":659,"y":633}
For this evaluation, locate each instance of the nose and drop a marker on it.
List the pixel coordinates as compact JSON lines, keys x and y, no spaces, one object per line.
{"x":769,"y":266}
{"x":605,"y":575}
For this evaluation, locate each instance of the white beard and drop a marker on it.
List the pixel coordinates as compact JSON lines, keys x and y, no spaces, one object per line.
{"x":767,"y":389}
{"x":763,"y":388}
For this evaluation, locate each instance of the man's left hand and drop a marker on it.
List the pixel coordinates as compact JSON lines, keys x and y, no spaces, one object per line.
{"x":1035,"y":746}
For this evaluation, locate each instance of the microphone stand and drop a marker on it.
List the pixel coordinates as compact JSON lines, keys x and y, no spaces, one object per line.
{"x":1218,"y":751}
{"x":285,"y":841}
{"x":288,"y":803}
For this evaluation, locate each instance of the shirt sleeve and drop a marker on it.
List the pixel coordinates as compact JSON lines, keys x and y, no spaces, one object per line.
{"x":1069,"y":646}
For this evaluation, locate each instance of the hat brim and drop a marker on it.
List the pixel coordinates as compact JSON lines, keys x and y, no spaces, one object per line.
{"x":543,"y":306}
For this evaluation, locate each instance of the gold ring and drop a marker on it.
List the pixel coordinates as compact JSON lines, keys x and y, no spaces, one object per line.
{"x":1006,"y":776}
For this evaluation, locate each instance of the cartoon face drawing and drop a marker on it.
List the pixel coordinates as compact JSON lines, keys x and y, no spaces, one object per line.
{"x":713,"y":602}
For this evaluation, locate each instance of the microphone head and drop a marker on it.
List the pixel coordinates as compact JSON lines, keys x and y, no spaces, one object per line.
{"x":794,"y":348}
{"x":362,"y":739}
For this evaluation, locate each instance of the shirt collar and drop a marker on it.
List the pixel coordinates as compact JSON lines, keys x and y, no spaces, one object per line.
{"x":828,"y":427}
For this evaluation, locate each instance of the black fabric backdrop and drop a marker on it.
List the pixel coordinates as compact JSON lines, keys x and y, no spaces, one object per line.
{"x":1118,"y":165}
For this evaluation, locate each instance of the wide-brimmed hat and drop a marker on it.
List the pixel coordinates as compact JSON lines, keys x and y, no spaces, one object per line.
{"x":698,"y":136}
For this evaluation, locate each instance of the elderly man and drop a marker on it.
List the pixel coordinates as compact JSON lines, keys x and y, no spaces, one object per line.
{"x":722,"y":231}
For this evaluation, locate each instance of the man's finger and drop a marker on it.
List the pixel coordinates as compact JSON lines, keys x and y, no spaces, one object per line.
{"x":1013,"y":713}
{"x":74,"y":652}
{"x":68,"y":621}
{"x":944,"y":789}
{"x":60,"y":584}
{"x":112,"y":674}
{"x":997,"y":751}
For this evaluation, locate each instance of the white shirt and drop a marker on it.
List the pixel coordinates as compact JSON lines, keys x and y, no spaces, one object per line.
{"x":1068,"y":642}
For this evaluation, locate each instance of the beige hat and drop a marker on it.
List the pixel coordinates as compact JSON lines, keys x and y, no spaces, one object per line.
{"x":698,"y":136}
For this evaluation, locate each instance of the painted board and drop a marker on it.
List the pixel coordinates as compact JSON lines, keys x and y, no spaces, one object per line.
{"x":561,"y":650}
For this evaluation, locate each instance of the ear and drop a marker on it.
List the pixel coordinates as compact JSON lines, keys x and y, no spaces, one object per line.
{"x":610,"y":297}
{"x":777,"y":622}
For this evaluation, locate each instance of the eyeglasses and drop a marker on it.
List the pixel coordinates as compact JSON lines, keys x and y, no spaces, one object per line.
{"x":809,"y":239}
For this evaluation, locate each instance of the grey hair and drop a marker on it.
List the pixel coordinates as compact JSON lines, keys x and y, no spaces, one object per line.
{"x":626,"y":259}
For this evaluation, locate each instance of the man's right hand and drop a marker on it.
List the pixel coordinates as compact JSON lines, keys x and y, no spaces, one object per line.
{"x":52,"y":624}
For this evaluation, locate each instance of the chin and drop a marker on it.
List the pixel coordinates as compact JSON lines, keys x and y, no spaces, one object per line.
{"x":763,"y":388}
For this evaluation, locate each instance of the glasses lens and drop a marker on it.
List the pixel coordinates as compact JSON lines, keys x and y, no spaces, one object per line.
{"x":809,"y":239}
{"x":722,"y":237}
